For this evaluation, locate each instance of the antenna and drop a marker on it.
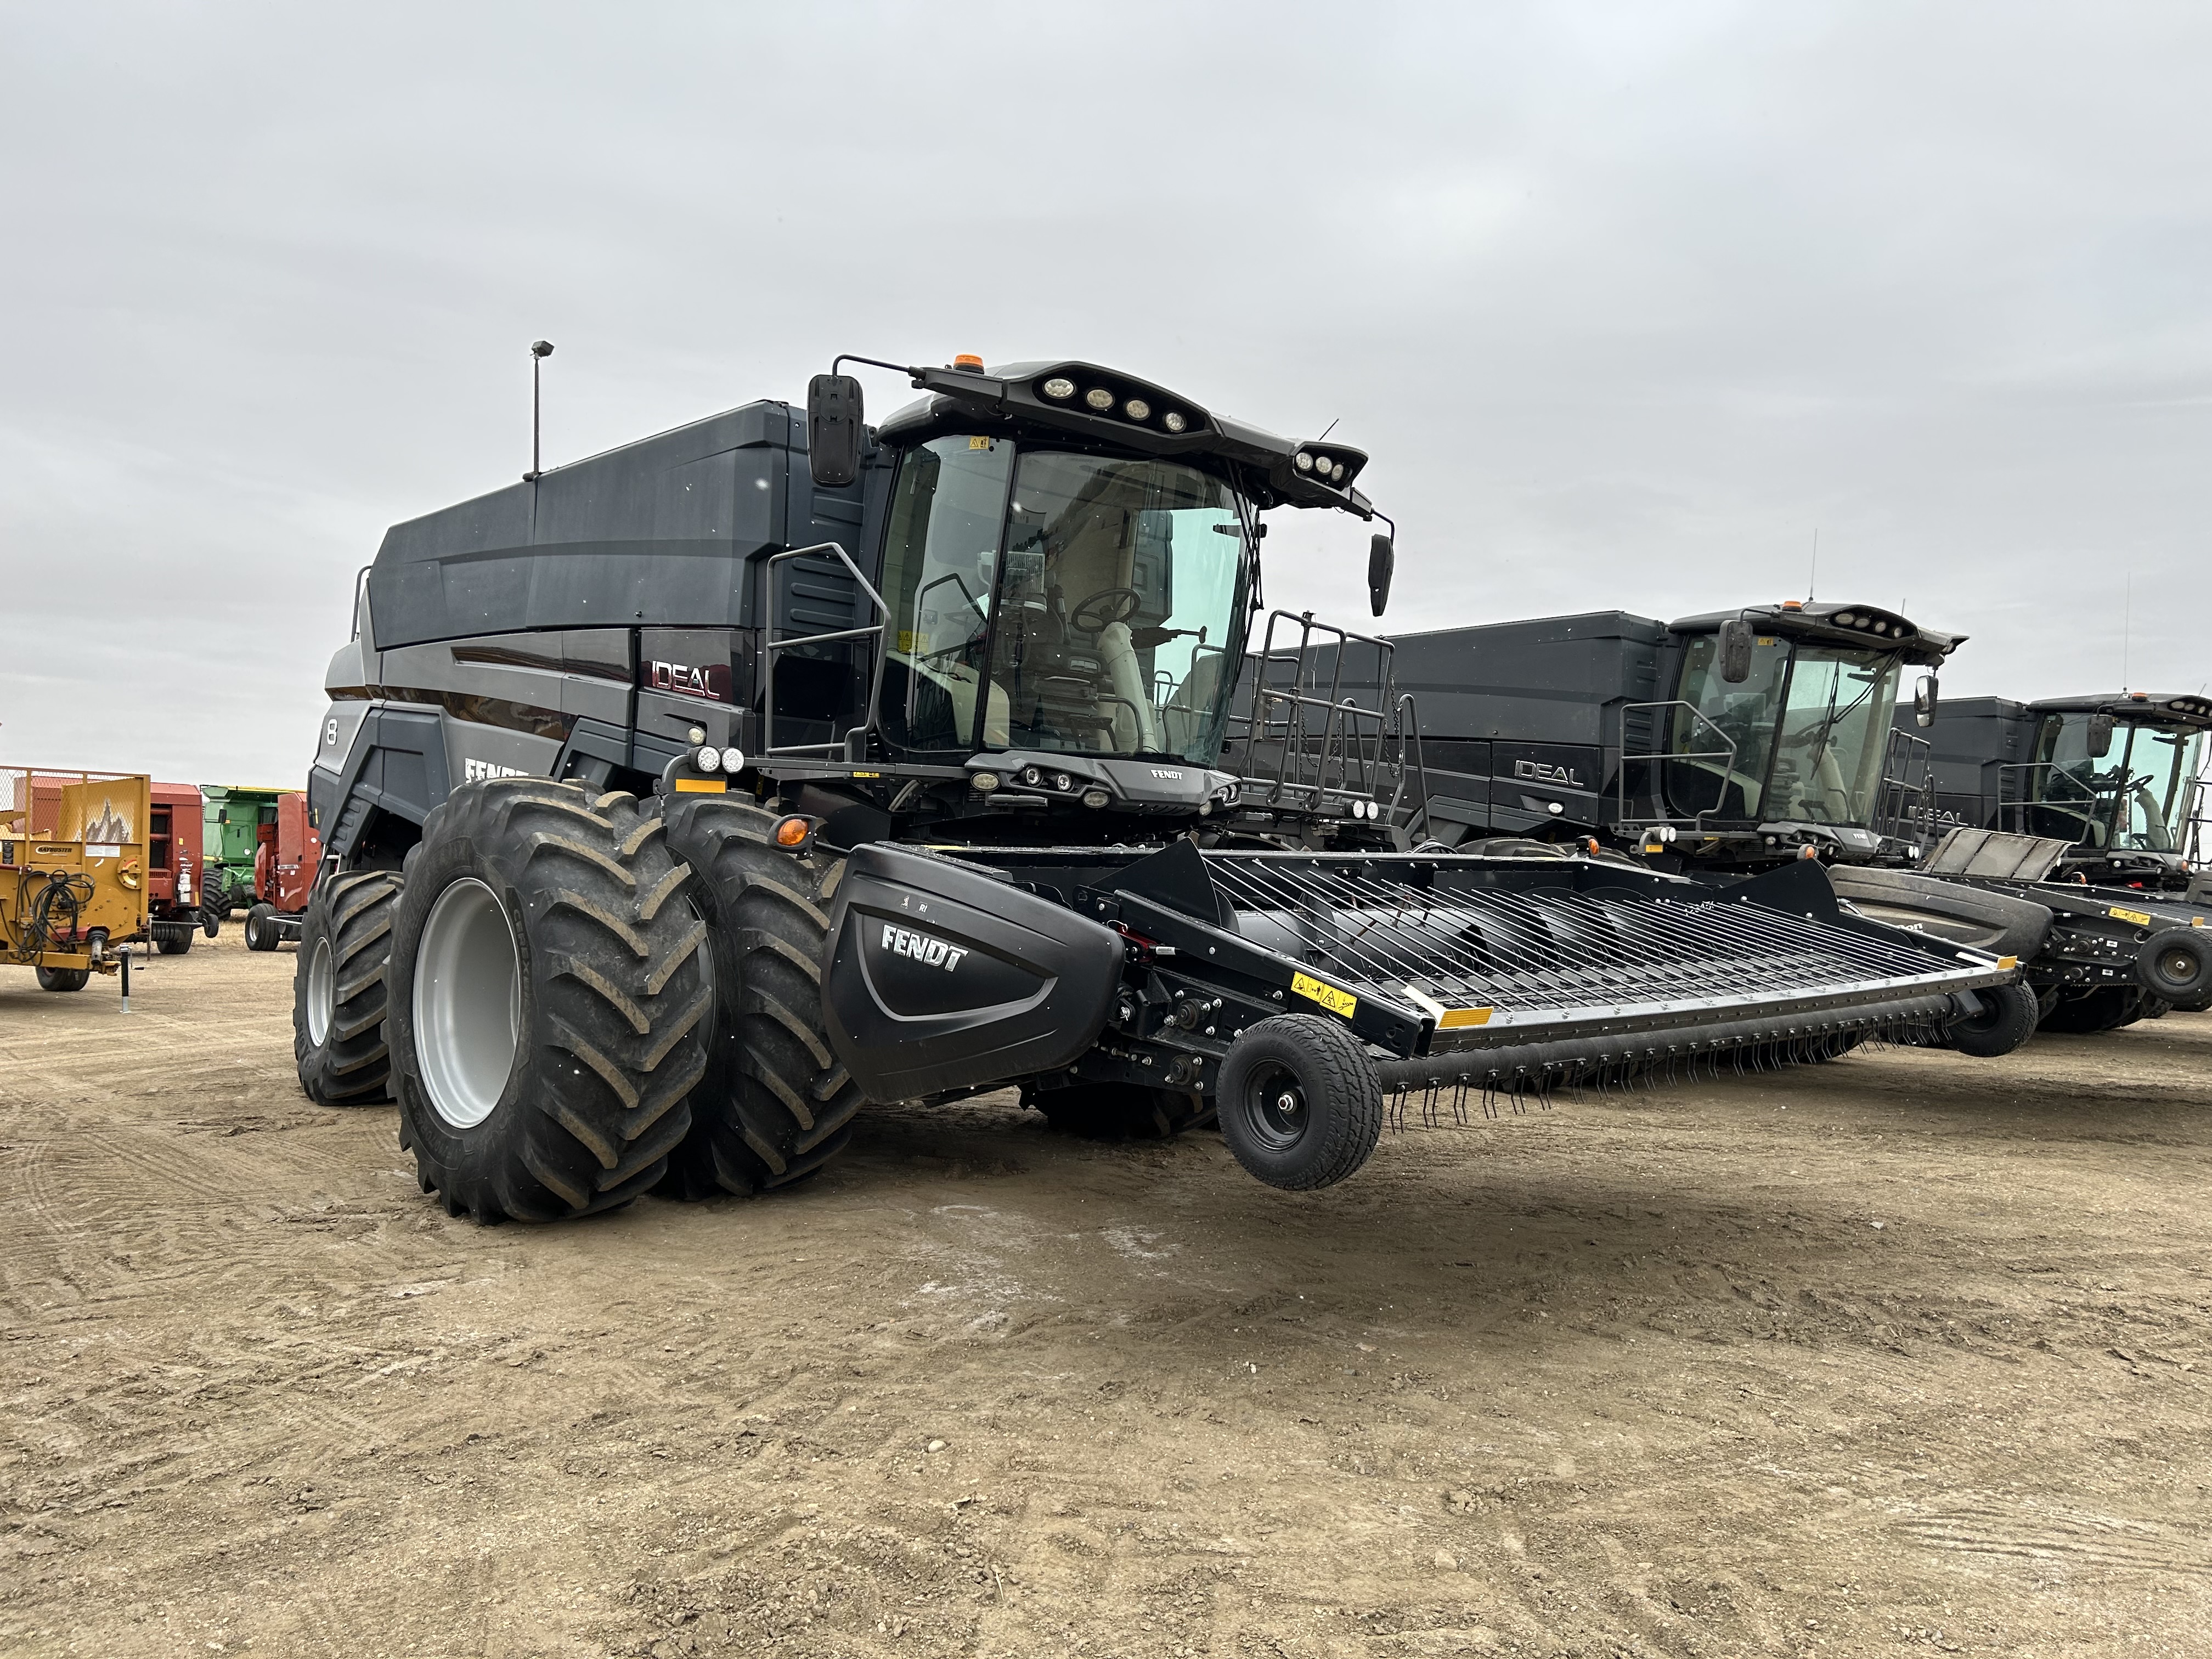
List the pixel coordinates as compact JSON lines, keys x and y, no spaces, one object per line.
{"x":540,"y":351}
{"x":1330,"y":427}
{"x":1813,"y":575}
{"x":2127,"y":624}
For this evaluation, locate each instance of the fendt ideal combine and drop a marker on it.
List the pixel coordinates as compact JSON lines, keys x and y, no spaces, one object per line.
{"x":1728,"y":744}
{"x":676,"y":802}
{"x":2092,"y":806}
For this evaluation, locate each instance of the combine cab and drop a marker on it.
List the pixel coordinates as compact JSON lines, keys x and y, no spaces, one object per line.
{"x":2114,"y":780}
{"x":675,"y":803}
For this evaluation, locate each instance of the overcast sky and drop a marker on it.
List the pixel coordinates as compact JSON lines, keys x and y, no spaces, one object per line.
{"x":1626,"y":302}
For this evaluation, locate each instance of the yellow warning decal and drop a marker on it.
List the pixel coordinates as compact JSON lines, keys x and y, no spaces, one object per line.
{"x":2140,"y":918}
{"x":2196,"y":921}
{"x":1336,"y":1001}
{"x":2007,"y":961}
{"x":702,"y":787}
{"x":1458,"y":1018}
{"x":979,"y":443}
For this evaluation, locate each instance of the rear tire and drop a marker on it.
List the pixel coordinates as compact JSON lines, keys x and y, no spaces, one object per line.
{"x":339,"y":1043}
{"x":1301,"y":1104}
{"x":1120,"y":1111}
{"x":776,"y":1105}
{"x":175,"y":945}
{"x":63,"y":979}
{"x":544,"y":1004}
{"x":261,"y":933}
{"x":2006,"y":1019}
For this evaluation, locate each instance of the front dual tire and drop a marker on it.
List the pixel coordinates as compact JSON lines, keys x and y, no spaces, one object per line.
{"x":548,"y":1003}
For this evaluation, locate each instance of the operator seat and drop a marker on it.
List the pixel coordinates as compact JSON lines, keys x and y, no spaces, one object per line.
{"x":1097,"y":555}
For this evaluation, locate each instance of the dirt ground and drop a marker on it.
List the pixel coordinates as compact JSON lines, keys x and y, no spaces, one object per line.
{"x":1905,"y":1353}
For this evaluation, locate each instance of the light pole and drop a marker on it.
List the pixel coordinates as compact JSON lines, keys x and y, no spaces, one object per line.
{"x":540,"y":351}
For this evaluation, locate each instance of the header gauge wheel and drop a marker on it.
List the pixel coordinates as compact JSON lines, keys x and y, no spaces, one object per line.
{"x":2006,"y":1019}
{"x":1301,"y":1103}
{"x":2176,"y":966}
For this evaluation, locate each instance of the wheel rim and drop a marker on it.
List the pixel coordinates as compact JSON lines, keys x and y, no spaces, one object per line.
{"x":467,"y":1003}
{"x":322,"y":993}
{"x":2177,"y":967}
{"x":1275,"y":1106}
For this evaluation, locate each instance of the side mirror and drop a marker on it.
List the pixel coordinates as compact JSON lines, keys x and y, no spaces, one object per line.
{"x":2100,"y":734}
{"x":1381,"y":560}
{"x":1923,"y":700}
{"x":833,"y":429}
{"x":1736,"y":642}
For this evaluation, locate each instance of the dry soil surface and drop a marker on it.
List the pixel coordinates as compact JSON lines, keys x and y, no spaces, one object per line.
{"x":1907,"y":1352}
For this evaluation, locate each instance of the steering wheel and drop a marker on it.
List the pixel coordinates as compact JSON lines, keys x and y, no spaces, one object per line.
{"x":1113,"y":604}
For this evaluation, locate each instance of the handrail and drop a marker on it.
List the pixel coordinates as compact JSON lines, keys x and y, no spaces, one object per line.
{"x":1696,"y":820}
{"x":1897,"y":785}
{"x":770,"y":645}
{"x":1312,"y":749}
{"x":2197,"y":822}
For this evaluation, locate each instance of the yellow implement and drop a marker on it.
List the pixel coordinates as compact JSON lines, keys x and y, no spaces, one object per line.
{"x":72,"y":870}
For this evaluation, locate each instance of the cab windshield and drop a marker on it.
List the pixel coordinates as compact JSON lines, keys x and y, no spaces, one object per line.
{"x":2132,"y":797}
{"x":1810,"y":729}
{"x":1053,"y":601}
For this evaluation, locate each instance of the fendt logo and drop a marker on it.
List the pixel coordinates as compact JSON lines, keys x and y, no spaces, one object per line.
{"x":681,"y":679}
{"x":935,"y":952}
{"x":1543,"y":772}
{"x":1162,"y":772}
{"x":474,"y":770}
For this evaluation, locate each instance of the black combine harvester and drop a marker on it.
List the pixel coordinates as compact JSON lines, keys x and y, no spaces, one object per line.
{"x":2091,"y":806}
{"x":2114,"y":778}
{"x":678,"y":801}
{"x":1728,"y":744}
